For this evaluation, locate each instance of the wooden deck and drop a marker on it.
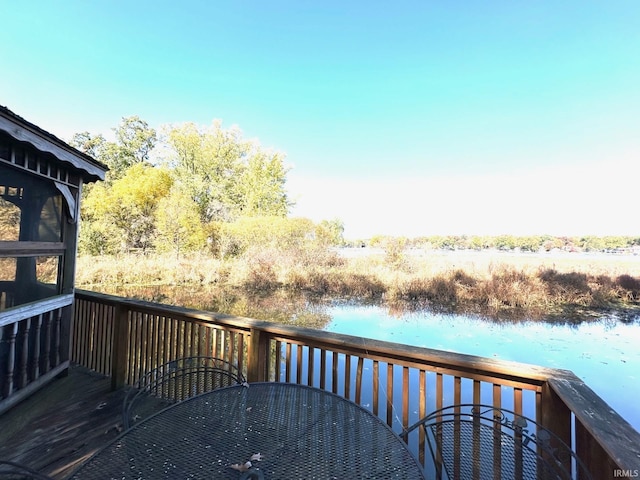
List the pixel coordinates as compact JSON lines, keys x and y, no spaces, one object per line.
{"x":64,"y":423}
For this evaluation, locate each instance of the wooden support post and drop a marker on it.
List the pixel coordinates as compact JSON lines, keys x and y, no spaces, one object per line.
{"x":555,"y":416}
{"x":596,"y":460}
{"x":258,"y":356}
{"x":120,"y":347}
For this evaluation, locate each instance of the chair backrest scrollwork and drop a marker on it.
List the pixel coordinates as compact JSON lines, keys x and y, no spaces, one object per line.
{"x":483,"y":441}
{"x":176,"y":381}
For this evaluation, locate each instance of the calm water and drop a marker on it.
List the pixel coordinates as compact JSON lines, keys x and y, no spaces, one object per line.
{"x":604,"y":353}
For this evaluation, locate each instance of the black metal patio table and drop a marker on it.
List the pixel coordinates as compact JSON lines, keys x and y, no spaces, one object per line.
{"x":264,"y":431}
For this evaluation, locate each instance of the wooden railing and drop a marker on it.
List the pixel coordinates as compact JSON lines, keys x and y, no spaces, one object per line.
{"x":124,"y":338}
{"x":34,"y":346}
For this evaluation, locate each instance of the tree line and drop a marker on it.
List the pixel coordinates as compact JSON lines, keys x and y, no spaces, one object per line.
{"x":530,"y":243}
{"x":205,"y":189}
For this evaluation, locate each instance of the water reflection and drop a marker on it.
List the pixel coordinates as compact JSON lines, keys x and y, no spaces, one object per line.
{"x":279,"y":307}
{"x":295,"y":308}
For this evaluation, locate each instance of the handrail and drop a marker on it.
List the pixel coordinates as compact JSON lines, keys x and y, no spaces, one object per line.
{"x":560,"y":401}
{"x":31,"y":309}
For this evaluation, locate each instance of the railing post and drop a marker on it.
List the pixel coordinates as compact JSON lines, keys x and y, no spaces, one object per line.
{"x":599,"y":464}
{"x":258,"y":356}
{"x":555,"y":416}
{"x":120,"y":346}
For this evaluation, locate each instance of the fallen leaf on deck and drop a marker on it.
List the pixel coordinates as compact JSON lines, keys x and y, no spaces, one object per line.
{"x":241,"y":467}
{"x":256,"y":457}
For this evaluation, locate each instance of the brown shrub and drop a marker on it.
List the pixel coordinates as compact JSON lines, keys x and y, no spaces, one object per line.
{"x":630,"y":285}
{"x":413,"y":289}
{"x":565,"y":282}
{"x":357,"y":285}
{"x":511,"y":289}
{"x":261,"y":273}
{"x":442,"y":290}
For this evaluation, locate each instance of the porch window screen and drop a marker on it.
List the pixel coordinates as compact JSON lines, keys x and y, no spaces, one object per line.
{"x":33,"y":215}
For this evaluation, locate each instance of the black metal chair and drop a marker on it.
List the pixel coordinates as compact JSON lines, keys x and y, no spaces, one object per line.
{"x":15,"y":471}
{"x":174,"y":382}
{"x":472,"y":441}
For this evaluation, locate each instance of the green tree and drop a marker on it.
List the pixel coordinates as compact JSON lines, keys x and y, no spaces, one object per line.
{"x":280,"y":233}
{"x":261,"y":185}
{"x":121,"y":216}
{"x":134,"y":140}
{"x":206,"y":163}
{"x":178,"y":224}
{"x":227,"y":176}
{"x":93,"y":145}
{"x":330,"y":232}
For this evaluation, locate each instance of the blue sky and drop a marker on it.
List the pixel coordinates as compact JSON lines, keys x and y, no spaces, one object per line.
{"x":404,"y":118}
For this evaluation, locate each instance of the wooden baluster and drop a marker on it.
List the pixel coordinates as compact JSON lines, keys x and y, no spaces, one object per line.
{"x":86,"y":334}
{"x":299,"y":364}
{"x":497,"y":435}
{"x":148,"y":342}
{"x":103,"y":346}
{"x":311,"y":365}
{"x":10,"y":333}
{"x":376,"y":386}
{"x":323,"y":368}
{"x":456,"y":427}
{"x":160,"y":340}
{"x":389,"y":394}
{"x":334,"y":373}
{"x":193,"y":342}
{"x":287,"y":364}
{"x":35,"y":373}
{"x":359,"y":379}
{"x":347,"y":376}
{"x":24,"y":354}
{"x":209,"y":341}
{"x":422,"y":411}
{"x":46,"y":357}
{"x":57,"y":354}
{"x":132,"y":373}
{"x":77,"y":325}
{"x":457,"y":390}
{"x":241,"y":352}
{"x":96,"y":340}
{"x":157,"y":340}
{"x":405,"y":397}
{"x":476,"y":449}
{"x":439,"y":402}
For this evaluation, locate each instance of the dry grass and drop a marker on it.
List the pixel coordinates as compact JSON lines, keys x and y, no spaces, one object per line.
{"x":495,"y":284}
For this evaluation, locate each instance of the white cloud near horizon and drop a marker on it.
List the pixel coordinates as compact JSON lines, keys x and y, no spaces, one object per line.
{"x":588,"y":200}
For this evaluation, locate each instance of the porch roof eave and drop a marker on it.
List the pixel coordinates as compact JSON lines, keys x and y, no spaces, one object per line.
{"x":25,"y":131}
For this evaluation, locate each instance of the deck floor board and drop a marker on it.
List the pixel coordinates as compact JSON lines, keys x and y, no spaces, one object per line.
{"x":63,"y":424}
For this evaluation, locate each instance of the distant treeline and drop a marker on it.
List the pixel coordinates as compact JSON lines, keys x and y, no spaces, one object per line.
{"x":533,"y":243}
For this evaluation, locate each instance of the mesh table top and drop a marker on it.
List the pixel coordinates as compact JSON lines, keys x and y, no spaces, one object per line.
{"x":300,"y":432}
